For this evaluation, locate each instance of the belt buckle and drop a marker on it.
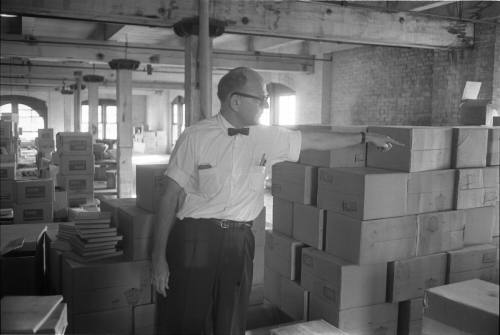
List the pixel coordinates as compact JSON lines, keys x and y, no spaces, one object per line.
{"x":224,"y":224}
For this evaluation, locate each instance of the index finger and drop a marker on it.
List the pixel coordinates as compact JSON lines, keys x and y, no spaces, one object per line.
{"x":393,"y":141}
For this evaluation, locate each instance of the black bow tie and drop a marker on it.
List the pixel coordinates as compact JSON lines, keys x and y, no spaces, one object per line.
{"x":235,"y":131}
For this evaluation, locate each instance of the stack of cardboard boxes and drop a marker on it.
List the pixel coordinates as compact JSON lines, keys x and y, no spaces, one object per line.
{"x":365,"y":242}
{"x":76,"y":167}
{"x":34,"y":200}
{"x":8,"y":145}
{"x":45,"y":146}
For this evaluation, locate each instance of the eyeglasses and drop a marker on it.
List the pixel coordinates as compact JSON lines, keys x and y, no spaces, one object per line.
{"x":262,"y":100}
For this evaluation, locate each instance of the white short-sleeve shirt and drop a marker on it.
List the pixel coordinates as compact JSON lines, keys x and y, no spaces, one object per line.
{"x":223,"y":176}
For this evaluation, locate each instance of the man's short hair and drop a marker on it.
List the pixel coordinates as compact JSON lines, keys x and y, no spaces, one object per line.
{"x":232,"y":81}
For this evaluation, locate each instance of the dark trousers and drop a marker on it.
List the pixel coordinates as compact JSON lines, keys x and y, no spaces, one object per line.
{"x":210,"y":279}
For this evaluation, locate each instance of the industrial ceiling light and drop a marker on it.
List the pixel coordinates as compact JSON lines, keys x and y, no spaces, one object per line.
{"x":7,"y":15}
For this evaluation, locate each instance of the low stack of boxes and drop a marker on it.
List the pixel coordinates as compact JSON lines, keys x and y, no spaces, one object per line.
{"x":76,"y":167}
{"x":363,"y":243}
{"x":34,"y":200}
{"x":8,"y":144}
{"x":45,"y":146}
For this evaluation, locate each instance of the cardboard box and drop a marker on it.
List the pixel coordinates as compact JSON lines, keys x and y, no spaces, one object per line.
{"x":46,"y":134}
{"x":426,"y":148}
{"x":294,"y":300}
{"x":407,"y":279}
{"x":150,"y":185}
{"x":283,"y":216}
{"x":7,"y":170}
{"x":7,"y":193}
{"x":493,"y":151}
{"x":74,"y":143}
{"x":472,"y":262}
{"x":468,"y":307}
{"x":60,"y":204}
{"x":113,"y":206}
{"x":6,"y":129}
{"x":341,"y":283}
{"x":282,"y":254}
{"x":310,"y":327}
{"x":372,"y":241}
{"x":115,"y":321}
{"x":75,"y":184}
{"x":410,"y":317}
{"x":144,"y":319}
{"x":54,"y":271}
{"x":440,"y":231}
{"x":294,"y":182}
{"x":95,"y":287}
{"x":430,"y":191}
{"x":373,"y":319}
{"x":76,"y":164}
{"x":478,"y":225}
{"x":469,"y":146}
{"x":37,"y":212}
{"x":286,"y":294}
{"x":309,"y":225}
{"x":8,"y":145}
{"x":34,"y":190}
{"x":7,"y":158}
{"x":136,"y":225}
{"x":356,"y":192}
{"x":79,"y":199}
{"x":477,"y":187}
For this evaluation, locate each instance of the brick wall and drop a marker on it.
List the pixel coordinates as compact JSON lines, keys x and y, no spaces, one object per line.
{"x":382,"y":85}
{"x":453,"y":68}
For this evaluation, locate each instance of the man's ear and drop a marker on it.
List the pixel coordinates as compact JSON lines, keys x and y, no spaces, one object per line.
{"x":234,"y":102}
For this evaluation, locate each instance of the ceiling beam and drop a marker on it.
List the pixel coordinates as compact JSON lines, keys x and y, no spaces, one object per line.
{"x":101,"y":52}
{"x":430,"y":5}
{"x":289,"y":19}
{"x":57,"y":82}
{"x":104,"y":31}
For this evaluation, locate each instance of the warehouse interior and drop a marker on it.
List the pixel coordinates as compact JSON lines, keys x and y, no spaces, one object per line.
{"x":339,"y":247}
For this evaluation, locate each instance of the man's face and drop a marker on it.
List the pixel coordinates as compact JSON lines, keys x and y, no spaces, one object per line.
{"x":253,"y":100}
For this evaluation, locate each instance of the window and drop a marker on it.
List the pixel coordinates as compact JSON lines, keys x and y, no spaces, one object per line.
{"x":282,"y":105}
{"x":178,"y":119}
{"x":29,"y":121}
{"x":107,"y":125}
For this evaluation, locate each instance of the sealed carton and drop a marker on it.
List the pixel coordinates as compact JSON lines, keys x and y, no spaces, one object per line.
{"x":136,"y":226}
{"x":75,"y":184}
{"x":341,"y":283}
{"x":363,"y":193}
{"x":7,"y":193}
{"x":410,"y":315}
{"x":34,"y":190}
{"x":36,"y":212}
{"x":294,"y":182}
{"x":282,"y":254}
{"x":76,"y":164}
{"x":469,"y":147}
{"x":409,"y":278}
{"x":430,"y":191}
{"x":371,"y":241}
{"x":493,"y":152}
{"x":425,"y":148}
{"x":283,"y":216}
{"x":309,"y":225}
{"x":477,"y":187}
{"x":440,"y":231}
{"x":74,"y":143}
{"x":478,"y":224}
{"x":150,"y":185}
{"x":113,"y":206}
{"x":472,"y":262}
{"x":468,"y":307}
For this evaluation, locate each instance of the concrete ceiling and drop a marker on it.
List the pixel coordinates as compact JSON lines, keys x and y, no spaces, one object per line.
{"x":22,"y":65}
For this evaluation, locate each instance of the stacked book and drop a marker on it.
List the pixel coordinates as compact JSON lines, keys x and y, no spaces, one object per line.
{"x":90,"y":235}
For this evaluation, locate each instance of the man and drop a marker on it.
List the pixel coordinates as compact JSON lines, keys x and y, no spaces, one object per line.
{"x":203,"y":246}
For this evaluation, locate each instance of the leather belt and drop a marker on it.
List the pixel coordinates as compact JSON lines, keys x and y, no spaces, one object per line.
{"x":225,"y":224}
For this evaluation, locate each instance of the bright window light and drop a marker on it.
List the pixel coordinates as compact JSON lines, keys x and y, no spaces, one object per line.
{"x":286,"y":110}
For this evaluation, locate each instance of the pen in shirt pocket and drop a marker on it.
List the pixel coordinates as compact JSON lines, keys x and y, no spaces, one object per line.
{"x":263,"y":160}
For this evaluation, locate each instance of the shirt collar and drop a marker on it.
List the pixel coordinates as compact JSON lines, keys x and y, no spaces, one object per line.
{"x":223,"y":122}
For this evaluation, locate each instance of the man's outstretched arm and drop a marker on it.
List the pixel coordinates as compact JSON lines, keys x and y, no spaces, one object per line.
{"x":170,"y":203}
{"x":335,"y":140}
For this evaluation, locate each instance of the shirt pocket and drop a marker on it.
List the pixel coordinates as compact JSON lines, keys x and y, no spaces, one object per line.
{"x":256,"y":178}
{"x":208,"y":181}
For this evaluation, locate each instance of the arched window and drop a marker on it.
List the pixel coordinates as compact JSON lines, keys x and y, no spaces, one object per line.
{"x":32,"y":114}
{"x":282,"y":102}
{"x":178,"y":119}
{"x":107,"y":125}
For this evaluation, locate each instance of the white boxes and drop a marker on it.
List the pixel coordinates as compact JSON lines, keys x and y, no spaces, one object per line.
{"x":295,"y":182}
{"x":469,"y":147}
{"x":74,"y":143}
{"x":430,"y":191}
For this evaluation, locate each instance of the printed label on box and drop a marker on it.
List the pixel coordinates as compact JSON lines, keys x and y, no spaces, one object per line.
{"x":33,"y":192}
{"x":33,"y":214}
{"x":77,"y":185}
{"x":77,"y":165}
{"x":78,"y":145}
